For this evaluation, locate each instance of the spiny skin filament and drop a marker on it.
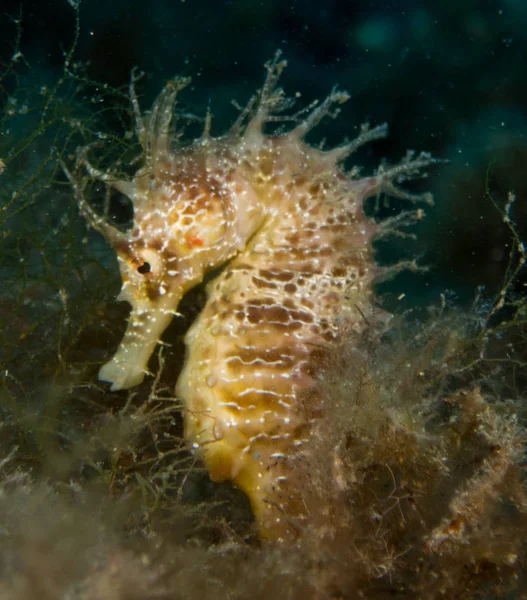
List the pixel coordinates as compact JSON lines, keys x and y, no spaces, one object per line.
{"x":288,"y":225}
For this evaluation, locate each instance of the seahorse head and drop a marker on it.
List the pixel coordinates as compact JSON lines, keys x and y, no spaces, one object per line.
{"x":184,"y":223}
{"x":193,"y":210}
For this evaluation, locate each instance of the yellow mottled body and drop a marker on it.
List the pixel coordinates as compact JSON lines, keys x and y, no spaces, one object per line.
{"x":288,"y":225}
{"x":271,"y":317}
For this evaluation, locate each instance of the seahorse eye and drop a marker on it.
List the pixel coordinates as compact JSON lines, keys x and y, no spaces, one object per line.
{"x":144,"y":268}
{"x":147,"y":261}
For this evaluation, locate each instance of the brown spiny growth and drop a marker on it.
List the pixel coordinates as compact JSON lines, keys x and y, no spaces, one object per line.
{"x":288,"y":224}
{"x":418,"y":484}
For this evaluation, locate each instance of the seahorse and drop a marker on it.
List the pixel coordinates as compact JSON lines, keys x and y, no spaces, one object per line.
{"x":287,"y":224}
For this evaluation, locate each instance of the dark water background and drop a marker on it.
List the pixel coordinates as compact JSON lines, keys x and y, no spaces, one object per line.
{"x":448,"y":77}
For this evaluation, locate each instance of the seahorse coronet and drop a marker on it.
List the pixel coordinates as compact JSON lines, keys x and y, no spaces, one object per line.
{"x":287,"y":225}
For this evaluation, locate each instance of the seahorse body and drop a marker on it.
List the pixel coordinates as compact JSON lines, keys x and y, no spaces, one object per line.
{"x":289,"y":225}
